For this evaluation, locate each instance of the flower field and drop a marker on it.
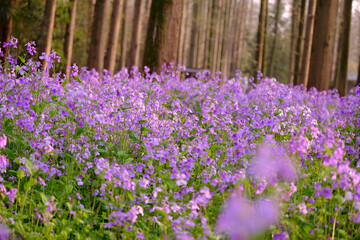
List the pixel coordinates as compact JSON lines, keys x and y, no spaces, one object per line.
{"x":147,"y":156}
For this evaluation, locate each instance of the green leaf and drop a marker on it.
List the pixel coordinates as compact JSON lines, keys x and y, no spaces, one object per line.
{"x":54,"y":98}
{"x":20,"y":174}
{"x":68,"y":188}
{"x":78,"y":79}
{"x":79,"y":131}
{"x":28,"y":165}
{"x":145,"y":129}
{"x":170,"y":183}
{"x":44,"y":199}
{"x":22,"y":59}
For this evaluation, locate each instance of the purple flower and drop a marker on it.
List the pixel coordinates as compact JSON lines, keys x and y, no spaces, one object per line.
{"x":3,"y":141}
{"x":4,"y":232}
{"x":242,"y":218}
{"x":326,"y":192}
{"x":280,"y":236}
{"x":4,"y":163}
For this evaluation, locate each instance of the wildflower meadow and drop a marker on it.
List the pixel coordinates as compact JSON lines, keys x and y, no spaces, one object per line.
{"x":141,"y":155}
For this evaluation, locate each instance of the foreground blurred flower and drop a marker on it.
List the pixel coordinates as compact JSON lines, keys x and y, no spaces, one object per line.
{"x":4,"y":232}
{"x":242,"y":218}
{"x":272,"y":163}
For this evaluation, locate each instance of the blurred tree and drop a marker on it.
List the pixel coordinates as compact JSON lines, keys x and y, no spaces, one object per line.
{"x":341,"y":79}
{"x":98,"y":35}
{"x":320,"y":66}
{"x":163,"y":33}
{"x":110,"y":57}
{"x":47,"y":28}
{"x":6,"y":22}
{"x":259,"y":50}
{"x":305,"y":65}
{"x":294,"y":36}
{"x":273,"y":45}
{"x":136,"y":34}
{"x":69,"y":35}
{"x":298,"y":52}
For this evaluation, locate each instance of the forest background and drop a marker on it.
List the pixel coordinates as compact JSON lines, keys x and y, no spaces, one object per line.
{"x":219,"y":35}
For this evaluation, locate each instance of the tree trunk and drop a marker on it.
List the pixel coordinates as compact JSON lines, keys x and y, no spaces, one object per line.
{"x":226,"y":38}
{"x":182,"y":34}
{"x":264,"y":58}
{"x":305,"y":66}
{"x":194,"y":34}
{"x":136,"y":34}
{"x":273,"y":45}
{"x":98,"y":35}
{"x":216,"y":35}
{"x":163,"y":33}
{"x":341,"y":83}
{"x":187,"y":38}
{"x":203,"y":11}
{"x":259,"y":52}
{"x":221,"y":36}
{"x":47,"y":28}
{"x":110,"y":58}
{"x":320,"y":67}
{"x":5,"y":29}
{"x":241,"y":34}
{"x":299,"y":43}
{"x":335,"y":59}
{"x":294,"y":35}
{"x":206,"y":63}
{"x":69,"y":35}
{"x":124,"y":33}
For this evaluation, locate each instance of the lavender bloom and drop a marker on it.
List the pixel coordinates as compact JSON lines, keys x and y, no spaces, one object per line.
{"x":242,"y":218}
{"x":3,"y":141}
{"x":4,"y":163}
{"x":271,"y":163}
{"x":281,"y":236}
{"x":4,"y":232}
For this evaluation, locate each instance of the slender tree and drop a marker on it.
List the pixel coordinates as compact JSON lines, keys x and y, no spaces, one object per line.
{"x":217,"y":6}
{"x":98,"y":35}
{"x":320,"y":67}
{"x":259,"y":52}
{"x":299,"y":41}
{"x":273,"y":45}
{"x":208,"y":32}
{"x":124,"y":34}
{"x":194,"y":35}
{"x":294,"y":36}
{"x":265,"y":48}
{"x":69,"y":35}
{"x":341,"y":82}
{"x":182,"y":33}
{"x":6,"y":20}
{"x":242,"y":38}
{"x":305,"y":65}
{"x":47,"y":28}
{"x":136,"y":34}
{"x":113,"y":40}
{"x":163,"y":33}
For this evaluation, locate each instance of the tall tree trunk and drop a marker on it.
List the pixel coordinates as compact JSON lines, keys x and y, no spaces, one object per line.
{"x":259,"y":52}
{"x":163,"y":33}
{"x":222,"y":37}
{"x":69,"y":35}
{"x":299,"y":43}
{"x":294,"y":35}
{"x":47,"y":28}
{"x":182,"y":33}
{"x":265,"y":48}
{"x":209,"y":18}
{"x":273,"y":45}
{"x":203,"y":11}
{"x":188,"y":28}
{"x":341,"y":83}
{"x":5,"y":28}
{"x":110,"y":58}
{"x":305,"y":65}
{"x":136,"y":34}
{"x":124,"y":35}
{"x":336,"y":46}
{"x":216,"y":27}
{"x":98,"y":35}
{"x":194,"y":34}
{"x":226,"y":38}
{"x":320,"y":67}
{"x":242,"y":38}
